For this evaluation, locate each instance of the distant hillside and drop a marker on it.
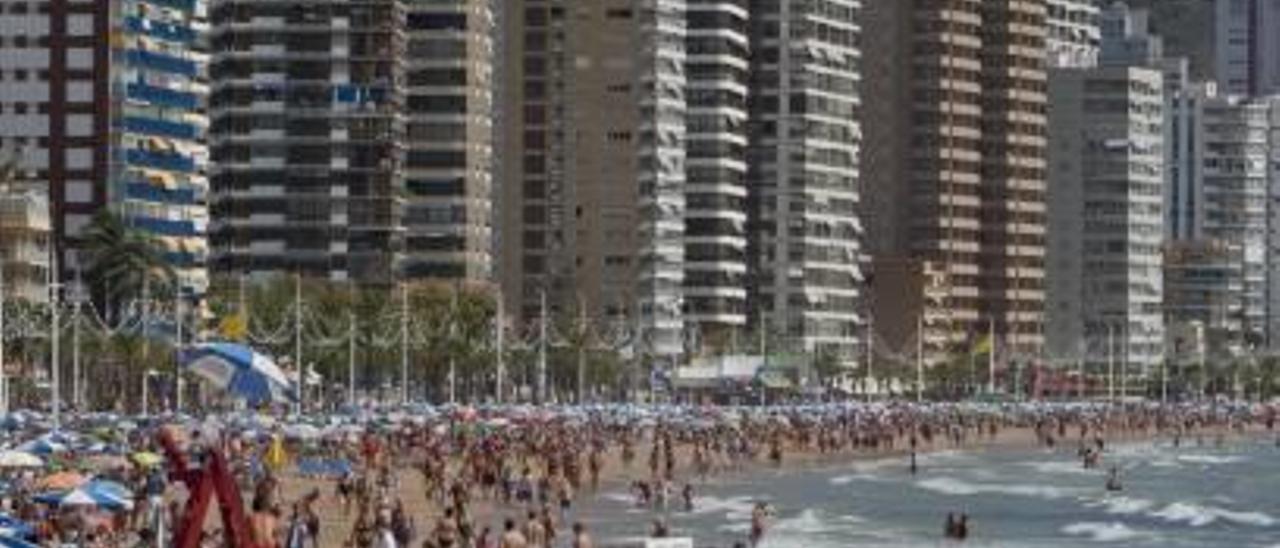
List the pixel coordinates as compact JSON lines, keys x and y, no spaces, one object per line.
{"x":1187,"y":28}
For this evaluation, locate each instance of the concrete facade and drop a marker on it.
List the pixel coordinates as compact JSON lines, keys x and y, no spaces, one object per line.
{"x":308,"y":120}
{"x":806,"y":175}
{"x":448,"y":140}
{"x":956,"y":178}
{"x":104,"y":101}
{"x":1247,"y":46}
{"x":1106,"y":216}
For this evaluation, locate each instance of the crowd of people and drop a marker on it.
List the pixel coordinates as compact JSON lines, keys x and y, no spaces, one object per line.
{"x":517,"y":477}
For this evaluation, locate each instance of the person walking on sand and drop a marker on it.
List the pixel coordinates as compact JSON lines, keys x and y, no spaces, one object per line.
{"x":512,"y":537}
{"x":580,"y":537}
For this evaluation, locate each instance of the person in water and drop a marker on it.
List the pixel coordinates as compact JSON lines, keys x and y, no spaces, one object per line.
{"x":1113,"y":480}
{"x":758,"y":516}
{"x":956,"y":529}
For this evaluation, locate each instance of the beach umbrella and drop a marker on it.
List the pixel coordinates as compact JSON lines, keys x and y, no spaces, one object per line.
{"x":146,"y":459}
{"x":61,"y":481}
{"x":240,"y":371}
{"x":44,"y":445}
{"x":106,"y":462}
{"x":13,"y":527}
{"x":19,"y":459}
{"x":107,"y":495}
{"x":15,"y":542}
{"x":301,"y":431}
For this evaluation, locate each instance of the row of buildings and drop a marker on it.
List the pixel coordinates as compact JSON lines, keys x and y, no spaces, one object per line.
{"x":813,"y":175}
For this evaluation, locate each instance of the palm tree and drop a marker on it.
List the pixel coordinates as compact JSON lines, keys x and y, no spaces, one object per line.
{"x":121,"y":262}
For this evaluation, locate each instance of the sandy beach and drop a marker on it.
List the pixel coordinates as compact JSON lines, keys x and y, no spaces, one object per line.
{"x":336,"y":525}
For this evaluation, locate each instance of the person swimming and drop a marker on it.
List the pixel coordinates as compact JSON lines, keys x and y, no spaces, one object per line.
{"x":1113,"y":480}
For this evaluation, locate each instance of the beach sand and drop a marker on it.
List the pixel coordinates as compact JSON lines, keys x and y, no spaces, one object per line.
{"x":336,"y":525}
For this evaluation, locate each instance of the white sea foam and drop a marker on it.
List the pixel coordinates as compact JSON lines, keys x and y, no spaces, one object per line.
{"x":1209,"y":459}
{"x":1197,"y":515}
{"x":952,"y":486}
{"x":1104,"y":532}
{"x":1060,"y":467}
{"x":843,"y":480}
{"x":808,"y":522}
{"x":1121,"y":505}
{"x":733,"y":508}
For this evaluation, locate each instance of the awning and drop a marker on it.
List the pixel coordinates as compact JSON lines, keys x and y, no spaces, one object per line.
{"x":161,"y":179}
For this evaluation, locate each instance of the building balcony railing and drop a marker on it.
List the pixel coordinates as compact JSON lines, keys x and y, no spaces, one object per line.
{"x":161,"y":96}
{"x":160,"y":62}
{"x":169,"y":161}
{"x":157,"y":29}
{"x":183,"y":5}
{"x":167,"y":227}
{"x":152,"y":193}
{"x":160,"y":128}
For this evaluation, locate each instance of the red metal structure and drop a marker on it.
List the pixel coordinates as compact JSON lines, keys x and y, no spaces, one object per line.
{"x":214,"y":478}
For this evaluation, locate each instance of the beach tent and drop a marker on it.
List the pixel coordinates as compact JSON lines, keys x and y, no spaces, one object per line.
{"x":241,"y":372}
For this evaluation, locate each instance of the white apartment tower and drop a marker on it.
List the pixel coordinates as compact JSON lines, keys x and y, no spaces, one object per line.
{"x":1104,"y":283}
{"x":1074,"y":36}
{"x":448,"y":140}
{"x":804,"y":172}
{"x":716,"y":70}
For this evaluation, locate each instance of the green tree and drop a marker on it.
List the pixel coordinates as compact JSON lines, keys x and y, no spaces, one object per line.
{"x":122,"y":263}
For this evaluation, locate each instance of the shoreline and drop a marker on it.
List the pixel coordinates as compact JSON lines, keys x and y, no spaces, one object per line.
{"x":335,"y":525}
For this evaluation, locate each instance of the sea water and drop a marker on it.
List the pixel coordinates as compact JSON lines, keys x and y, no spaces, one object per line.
{"x":1196,"y":495}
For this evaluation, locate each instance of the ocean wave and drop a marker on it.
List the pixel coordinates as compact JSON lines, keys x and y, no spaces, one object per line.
{"x":953,"y":486}
{"x":1197,"y":515}
{"x":734,"y":508}
{"x":1104,"y":532}
{"x":1210,"y":459}
{"x":1061,"y":467}
{"x":1121,"y":505}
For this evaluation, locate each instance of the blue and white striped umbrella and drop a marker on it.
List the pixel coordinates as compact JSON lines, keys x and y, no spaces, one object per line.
{"x":48,"y":444}
{"x":15,"y":528}
{"x":107,"y":495}
{"x":240,"y":371}
{"x":15,"y":542}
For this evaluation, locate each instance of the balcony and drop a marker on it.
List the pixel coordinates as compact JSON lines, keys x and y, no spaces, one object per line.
{"x":168,"y":161}
{"x":160,"y":62}
{"x":167,"y":227}
{"x":161,"y":96}
{"x":160,"y":128}
{"x":183,"y":5}
{"x":163,"y":31}
{"x":152,"y":193}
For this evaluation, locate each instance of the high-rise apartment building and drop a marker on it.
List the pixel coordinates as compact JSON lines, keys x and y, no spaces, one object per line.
{"x":716,"y":71}
{"x":307,"y":135}
{"x":104,"y":101}
{"x":1106,"y":221}
{"x":25,"y":237}
{"x":448,"y":167}
{"x":805,"y":174}
{"x":1273,"y":231}
{"x":956,"y":164}
{"x":593,"y":200}
{"x":1224,"y":200}
{"x":1203,"y":281}
{"x":1074,"y":37}
{"x":1247,"y":46}
{"x":686,"y":167}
